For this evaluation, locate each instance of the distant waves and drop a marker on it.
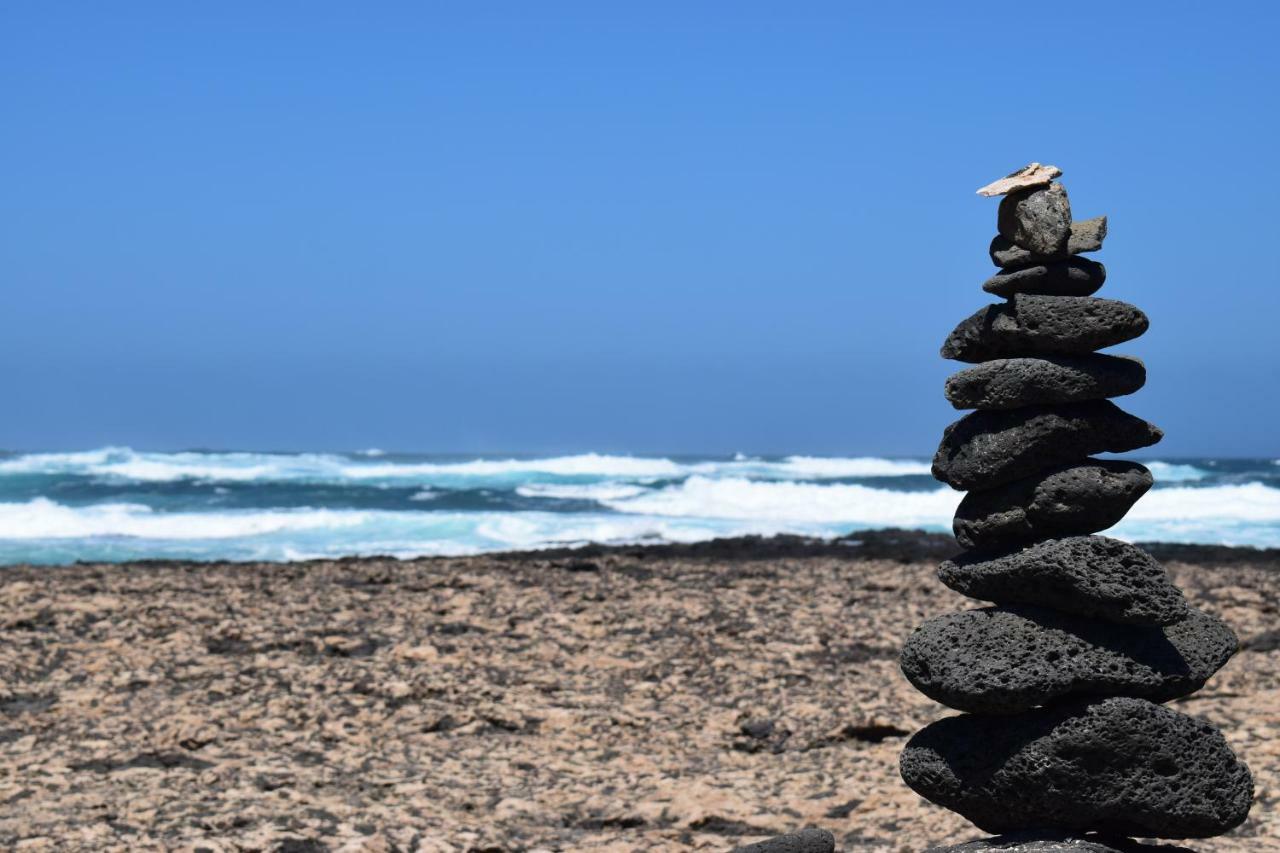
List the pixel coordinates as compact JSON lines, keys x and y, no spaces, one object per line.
{"x":120,"y":504}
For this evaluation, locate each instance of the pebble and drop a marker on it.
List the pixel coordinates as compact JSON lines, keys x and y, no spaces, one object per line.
{"x":1074,"y":499}
{"x":1004,"y":660}
{"x":1120,"y":765}
{"x":985,"y":449}
{"x":1087,"y":575}
{"x":1031,"y":325}
{"x":1030,"y":175}
{"x":1011,"y":383}
{"x":810,"y":840}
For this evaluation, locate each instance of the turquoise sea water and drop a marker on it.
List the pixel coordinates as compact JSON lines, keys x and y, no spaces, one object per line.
{"x":120,"y":504}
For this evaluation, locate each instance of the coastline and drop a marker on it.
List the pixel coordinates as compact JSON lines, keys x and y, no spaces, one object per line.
{"x":601,"y":698}
{"x":888,"y":543}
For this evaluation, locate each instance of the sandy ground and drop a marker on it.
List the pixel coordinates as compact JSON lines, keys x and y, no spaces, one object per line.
{"x":622,"y":700}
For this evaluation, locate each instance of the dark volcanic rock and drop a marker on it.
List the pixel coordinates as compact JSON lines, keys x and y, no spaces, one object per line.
{"x":1087,"y":575}
{"x":805,"y":841}
{"x":1037,"y":218}
{"x":1072,"y":277}
{"x":1086,"y":236}
{"x":1039,"y":842}
{"x":1067,"y":501}
{"x":1002,"y":660}
{"x":1119,"y":765}
{"x":1010,"y":383}
{"x":1043,"y":325}
{"x":985,"y":449}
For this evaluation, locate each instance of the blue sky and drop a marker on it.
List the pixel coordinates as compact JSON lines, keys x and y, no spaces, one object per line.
{"x":700,"y":227}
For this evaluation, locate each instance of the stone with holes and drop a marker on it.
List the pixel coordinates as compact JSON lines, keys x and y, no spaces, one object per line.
{"x":1073,"y":499}
{"x":1030,"y":325}
{"x":1037,"y":218}
{"x":1002,"y":660}
{"x":1120,"y":766}
{"x":1011,"y":383}
{"x":1090,"y":576}
{"x":1072,"y":277}
{"x":986,"y":449}
{"x":1086,"y":236}
{"x":1040,"y":842}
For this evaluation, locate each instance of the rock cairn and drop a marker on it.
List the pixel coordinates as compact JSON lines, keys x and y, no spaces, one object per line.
{"x":1060,"y":680}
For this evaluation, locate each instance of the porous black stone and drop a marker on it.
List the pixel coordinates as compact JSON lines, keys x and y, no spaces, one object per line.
{"x":1091,"y":576}
{"x":1036,"y":218}
{"x":1069,"y":500}
{"x":1010,"y":383}
{"x":1029,"y":325}
{"x":985,"y":449}
{"x":1072,"y":277}
{"x":810,"y":840}
{"x":1086,"y":236}
{"x":1003,"y":660}
{"x":1120,"y":766}
{"x":1040,"y":842}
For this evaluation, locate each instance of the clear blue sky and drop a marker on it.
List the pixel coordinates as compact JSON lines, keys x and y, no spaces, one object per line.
{"x":602,"y":226}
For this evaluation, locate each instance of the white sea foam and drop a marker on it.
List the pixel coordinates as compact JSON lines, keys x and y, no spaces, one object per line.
{"x":581,"y":491}
{"x":817,"y":468}
{"x":125,"y":464}
{"x":733,"y":498}
{"x":1170,"y":472}
{"x":42,"y":518}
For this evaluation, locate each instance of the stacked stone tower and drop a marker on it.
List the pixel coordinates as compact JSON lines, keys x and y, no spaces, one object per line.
{"x":1063,"y":736}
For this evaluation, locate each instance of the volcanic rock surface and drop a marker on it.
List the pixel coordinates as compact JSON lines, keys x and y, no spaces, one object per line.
{"x":1040,"y":843}
{"x":1118,"y":765}
{"x":985,"y":449}
{"x":1072,"y":277}
{"x":1003,"y":660}
{"x":1086,"y":236}
{"x":1029,"y":325}
{"x":1086,"y":575}
{"x":1010,"y":383}
{"x":1073,"y":499}
{"x":1037,"y":218}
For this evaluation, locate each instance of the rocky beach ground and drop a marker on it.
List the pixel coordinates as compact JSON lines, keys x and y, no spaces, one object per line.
{"x":625,"y":699}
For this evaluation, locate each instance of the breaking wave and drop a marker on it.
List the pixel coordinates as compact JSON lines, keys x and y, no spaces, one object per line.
{"x":119,"y":504}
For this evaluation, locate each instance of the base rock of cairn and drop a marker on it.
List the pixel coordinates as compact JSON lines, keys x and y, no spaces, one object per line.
{"x":1052,"y":843}
{"x":1063,"y":745}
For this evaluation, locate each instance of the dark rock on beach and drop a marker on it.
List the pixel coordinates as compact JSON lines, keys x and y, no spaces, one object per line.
{"x":1086,"y":236}
{"x":1037,"y":218}
{"x":986,"y":449}
{"x":1067,"y":501}
{"x":1087,"y":575}
{"x":1010,"y":383}
{"x":1040,"y":842}
{"x":805,"y":841}
{"x":1119,"y":765}
{"x":1043,"y":325}
{"x":1002,"y":660}
{"x":1072,"y":277}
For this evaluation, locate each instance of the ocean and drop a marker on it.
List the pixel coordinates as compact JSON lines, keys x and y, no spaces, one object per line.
{"x":116,"y":504}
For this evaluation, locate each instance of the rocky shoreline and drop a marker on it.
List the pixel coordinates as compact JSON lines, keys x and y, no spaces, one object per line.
{"x":661,"y":697}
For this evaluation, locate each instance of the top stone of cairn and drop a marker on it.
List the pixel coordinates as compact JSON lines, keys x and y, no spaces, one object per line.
{"x":1030,"y":175}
